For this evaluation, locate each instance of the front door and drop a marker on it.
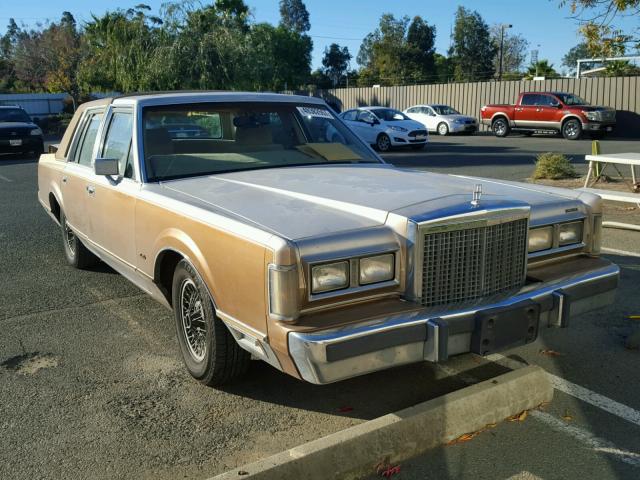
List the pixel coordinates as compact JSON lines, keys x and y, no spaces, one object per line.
{"x":114,"y":197}
{"x":366,"y":127}
{"x":547,"y":114}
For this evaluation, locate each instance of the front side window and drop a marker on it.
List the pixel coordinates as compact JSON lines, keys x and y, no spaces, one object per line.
{"x":445,"y":110}
{"x":547,"y":101}
{"x":245,"y":136}
{"x":389,"y":114}
{"x":117,"y":143}
{"x":350,"y":115}
{"x":366,"y":117}
{"x":84,"y":151}
{"x":570,"y":99}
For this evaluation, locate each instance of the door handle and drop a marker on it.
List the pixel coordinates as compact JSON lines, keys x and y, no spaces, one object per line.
{"x":64,"y":179}
{"x":91,"y":190}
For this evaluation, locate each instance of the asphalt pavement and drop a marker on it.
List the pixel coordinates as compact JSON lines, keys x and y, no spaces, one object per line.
{"x":92,"y":385}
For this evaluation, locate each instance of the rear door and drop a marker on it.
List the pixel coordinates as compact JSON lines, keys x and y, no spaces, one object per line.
{"x":525,"y":114}
{"x":78,"y":174}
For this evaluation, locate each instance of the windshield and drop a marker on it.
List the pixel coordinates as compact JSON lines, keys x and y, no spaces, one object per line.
{"x":445,"y":110}
{"x":388,"y":114}
{"x":202,"y":139}
{"x":14,"y":115}
{"x":570,"y":99}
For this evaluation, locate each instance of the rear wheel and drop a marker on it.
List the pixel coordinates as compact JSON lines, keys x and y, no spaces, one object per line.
{"x":75,"y":252}
{"x":383,"y":142}
{"x":572,"y":129}
{"x":500,"y":127}
{"x":443,"y":129}
{"x":210,"y":353}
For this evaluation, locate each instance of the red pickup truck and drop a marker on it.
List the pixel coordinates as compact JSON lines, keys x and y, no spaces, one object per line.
{"x":562,"y":112}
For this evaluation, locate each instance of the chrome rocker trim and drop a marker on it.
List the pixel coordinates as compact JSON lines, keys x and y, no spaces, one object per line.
{"x":332,"y":355}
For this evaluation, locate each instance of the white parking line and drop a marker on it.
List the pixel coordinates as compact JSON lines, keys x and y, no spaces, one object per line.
{"x":587,"y":438}
{"x":592,"y":398}
{"x":620,"y":252}
{"x":2,"y":177}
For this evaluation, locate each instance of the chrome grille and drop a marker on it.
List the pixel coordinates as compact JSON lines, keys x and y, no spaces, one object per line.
{"x":463,"y":264}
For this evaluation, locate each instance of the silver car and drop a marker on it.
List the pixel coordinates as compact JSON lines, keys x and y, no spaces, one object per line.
{"x":442,"y":119}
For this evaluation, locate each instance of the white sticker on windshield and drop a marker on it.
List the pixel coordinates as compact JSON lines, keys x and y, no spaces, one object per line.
{"x":318,"y":112}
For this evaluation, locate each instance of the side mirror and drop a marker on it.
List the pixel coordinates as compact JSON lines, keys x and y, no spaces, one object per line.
{"x":375,"y":122}
{"x":106,"y":166}
{"x":558,"y":106}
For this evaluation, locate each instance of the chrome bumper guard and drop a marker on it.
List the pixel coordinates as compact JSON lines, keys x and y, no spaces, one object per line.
{"x":341,"y":353}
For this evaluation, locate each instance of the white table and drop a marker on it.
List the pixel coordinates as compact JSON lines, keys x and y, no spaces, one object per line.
{"x":614,"y":159}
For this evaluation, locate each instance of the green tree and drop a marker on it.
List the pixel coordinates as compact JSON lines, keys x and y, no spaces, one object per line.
{"x":279,"y":58}
{"x":514,"y":51}
{"x":294,"y":16}
{"x":398,"y":51}
{"x":597,"y":24}
{"x":576,"y":53}
{"x":335,"y":62}
{"x":473,"y":52}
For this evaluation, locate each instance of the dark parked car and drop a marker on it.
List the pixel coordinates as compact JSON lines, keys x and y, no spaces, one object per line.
{"x":18,"y":133}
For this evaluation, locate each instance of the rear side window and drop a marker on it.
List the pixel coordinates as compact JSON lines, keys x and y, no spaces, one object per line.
{"x":84,"y":150}
{"x":117,"y":143}
{"x":530,"y":99}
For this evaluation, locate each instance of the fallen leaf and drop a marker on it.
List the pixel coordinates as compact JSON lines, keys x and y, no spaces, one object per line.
{"x":550,"y":353}
{"x":634,"y":317}
{"x":523,"y":416}
{"x":567,"y":416}
{"x":518,"y":417}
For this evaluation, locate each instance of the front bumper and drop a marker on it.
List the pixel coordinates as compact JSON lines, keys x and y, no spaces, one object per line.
{"x":598,"y":126}
{"x":21,"y":144}
{"x":403,"y":138}
{"x":552,"y":295}
{"x":463,"y":127}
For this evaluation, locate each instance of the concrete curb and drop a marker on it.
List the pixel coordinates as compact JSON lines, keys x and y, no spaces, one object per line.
{"x":355,"y":452}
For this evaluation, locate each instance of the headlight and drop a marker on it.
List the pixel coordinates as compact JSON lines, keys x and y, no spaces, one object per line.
{"x":36,"y":131}
{"x":329,"y":277}
{"x":570,"y":233}
{"x":540,"y":238}
{"x":593,"y":116}
{"x":398,"y":129}
{"x":376,"y":269}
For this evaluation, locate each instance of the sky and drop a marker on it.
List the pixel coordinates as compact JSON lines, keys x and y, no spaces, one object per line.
{"x":543,"y":23}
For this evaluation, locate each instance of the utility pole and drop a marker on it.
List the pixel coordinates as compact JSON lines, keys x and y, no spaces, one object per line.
{"x":502,"y":27}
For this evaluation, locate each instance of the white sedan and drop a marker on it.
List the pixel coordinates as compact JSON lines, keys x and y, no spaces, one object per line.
{"x":385,"y":127}
{"x":442,"y":119}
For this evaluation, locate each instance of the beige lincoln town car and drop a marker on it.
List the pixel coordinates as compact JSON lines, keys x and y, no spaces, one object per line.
{"x":274,"y":233}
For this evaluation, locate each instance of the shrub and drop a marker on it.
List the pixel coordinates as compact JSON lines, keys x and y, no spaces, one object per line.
{"x":553,"y":166}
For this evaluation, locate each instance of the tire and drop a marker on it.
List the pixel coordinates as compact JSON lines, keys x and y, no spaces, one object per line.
{"x":75,"y":252}
{"x":210,"y":353}
{"x":419,"y":146}
{"x":572,"y":129}
{"x":500,"y":127}
{"x":383,"y":142}
{"x":443,"y":129}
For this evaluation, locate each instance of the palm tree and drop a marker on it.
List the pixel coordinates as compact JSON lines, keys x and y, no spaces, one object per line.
{"x":541,"y":69}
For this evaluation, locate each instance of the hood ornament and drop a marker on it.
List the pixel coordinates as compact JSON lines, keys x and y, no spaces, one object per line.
{"x":477,"y":193}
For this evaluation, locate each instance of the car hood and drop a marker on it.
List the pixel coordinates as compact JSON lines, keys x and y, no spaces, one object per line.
{"x":408,"y":124}
{"x":300,"y":202}
{"x":16,"y":125}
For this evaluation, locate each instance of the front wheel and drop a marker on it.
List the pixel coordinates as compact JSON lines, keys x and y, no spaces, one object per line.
{"x":75,"y":252}
{"x":209,"y":351}
{"x":500,"y":127}
{"x":572,"y":129}
{"x":383,"y":142}
{"x":443,"y":129}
